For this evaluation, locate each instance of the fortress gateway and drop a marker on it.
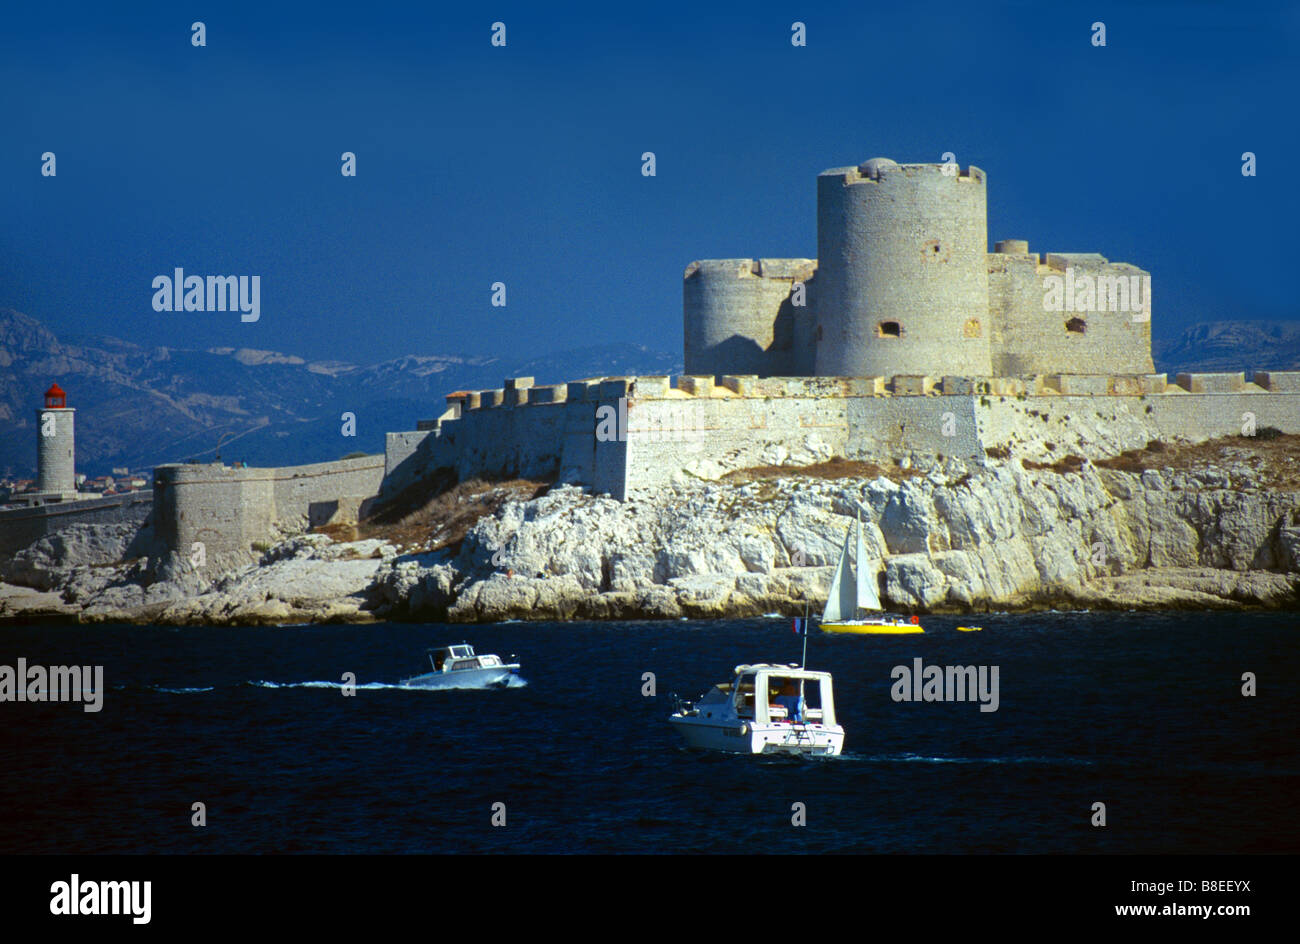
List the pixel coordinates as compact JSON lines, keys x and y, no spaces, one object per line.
{"x":906,"y":341}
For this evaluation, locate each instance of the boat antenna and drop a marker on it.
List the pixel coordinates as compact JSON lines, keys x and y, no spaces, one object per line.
{"x":803,"y":660}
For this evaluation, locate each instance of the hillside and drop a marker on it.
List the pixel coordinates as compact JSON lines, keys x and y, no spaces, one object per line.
{"x":139,"y":406}
{"x":1230,"y":346}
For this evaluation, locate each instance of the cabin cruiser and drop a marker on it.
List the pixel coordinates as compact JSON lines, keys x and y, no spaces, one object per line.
{"x":459,"y":667}
{"x":853,"y":605}
{"x":765,"y":709}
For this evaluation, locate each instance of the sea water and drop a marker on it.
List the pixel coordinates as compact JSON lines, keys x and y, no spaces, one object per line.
{"x":1113,"y":732}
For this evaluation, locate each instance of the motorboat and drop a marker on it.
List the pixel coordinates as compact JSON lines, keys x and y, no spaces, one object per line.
{"x":459,"y":667}
{"x":853,"y":605}
{"x":765,"y":709}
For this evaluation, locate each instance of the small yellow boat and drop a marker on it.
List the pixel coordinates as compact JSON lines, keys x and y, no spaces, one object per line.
{"x":885,"y":626}
{"x":970,"y":629}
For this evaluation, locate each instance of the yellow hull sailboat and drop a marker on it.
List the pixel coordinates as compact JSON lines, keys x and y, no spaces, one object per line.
{"x":853,"y":596}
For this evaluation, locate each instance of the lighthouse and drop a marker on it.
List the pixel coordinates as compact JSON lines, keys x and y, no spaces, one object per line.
{"x":56,"y":478}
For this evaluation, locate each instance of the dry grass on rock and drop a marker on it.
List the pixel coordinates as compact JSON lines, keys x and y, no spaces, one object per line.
{"x":438,"y":512}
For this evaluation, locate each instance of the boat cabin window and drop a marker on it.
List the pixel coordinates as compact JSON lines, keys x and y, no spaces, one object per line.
{"x":794,"y":700}
{"x":808,"y":689}
{"x":460,"y":652}
{"x":743,"y":698}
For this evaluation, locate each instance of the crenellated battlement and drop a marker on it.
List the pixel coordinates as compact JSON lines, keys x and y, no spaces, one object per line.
{"x":787,"y":270}
{"x":882,"y":170}
{"x":728,"y":386}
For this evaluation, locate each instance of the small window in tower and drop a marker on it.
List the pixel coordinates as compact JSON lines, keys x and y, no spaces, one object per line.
{"x":819,"y":332}
{"x":1076,"y":326}
{"x":936,"y":247}
{"x":890,"y":329}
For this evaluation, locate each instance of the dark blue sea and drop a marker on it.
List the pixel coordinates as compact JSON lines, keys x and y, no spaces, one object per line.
{"x":1141,"y":712}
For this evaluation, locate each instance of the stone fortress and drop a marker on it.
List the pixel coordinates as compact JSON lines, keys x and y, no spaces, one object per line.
{"x":905,"y":342}
{"x":904,"y":285}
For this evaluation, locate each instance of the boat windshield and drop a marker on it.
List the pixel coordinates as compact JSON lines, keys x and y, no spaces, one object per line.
{"x":743,"y":696}
{"x":717,"y":695}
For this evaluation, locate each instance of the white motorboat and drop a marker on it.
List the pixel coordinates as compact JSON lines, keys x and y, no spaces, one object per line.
{"x":459,"y":667}
{"x":765,"y":709}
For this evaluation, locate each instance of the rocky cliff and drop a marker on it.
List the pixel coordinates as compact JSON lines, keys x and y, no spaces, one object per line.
{"x":1216,"y":526}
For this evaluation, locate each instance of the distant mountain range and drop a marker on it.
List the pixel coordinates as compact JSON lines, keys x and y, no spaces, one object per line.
{"x":1230,"y":346}
{"x":139,"y":406}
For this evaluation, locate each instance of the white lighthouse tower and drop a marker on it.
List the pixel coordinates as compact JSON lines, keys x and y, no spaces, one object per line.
{"x":56,"y":477}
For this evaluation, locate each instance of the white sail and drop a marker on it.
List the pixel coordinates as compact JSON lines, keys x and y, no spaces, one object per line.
{"x":868,"y":599}
{"x":842,"y":602}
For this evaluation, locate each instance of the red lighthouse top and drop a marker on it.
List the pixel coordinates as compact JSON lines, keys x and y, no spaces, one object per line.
{"x":55,"y":397}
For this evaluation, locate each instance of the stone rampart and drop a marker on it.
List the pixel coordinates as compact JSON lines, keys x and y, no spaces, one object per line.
{"x":703,"y":427}
{"x":228,"y":510}
{"x":21,"y":527}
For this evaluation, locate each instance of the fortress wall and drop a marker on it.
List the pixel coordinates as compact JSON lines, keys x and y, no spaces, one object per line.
{"x":1079,"y":385}
{"x":519,"y":441}
{"x":704,"y":438}
{"x":1028,"y":339}
{"x":915,"y":385}
{"x":403,"y":458}
{"x":889,"y":429}
{"x":557,"y":393}
{"x":303,"y":494}
{"x":803,"y":359}
{"x":1018,"y":326}
{"x":21,"y":527}
{"x":902,"y":281}
{"x":224,"y":509}
{"x":1197,"y":417}
{"x":818,"y":386}
{"x":1096,"y":427}
{"x":738,"y":315}
{"x":551,"y":435}
{"x":229,"y":509}
{"x":699,"y":386}
{"x":1278,"y":381}
{"x":1213,"y":383}
{"x":1101,"y":427}
{"x":802,"y":421}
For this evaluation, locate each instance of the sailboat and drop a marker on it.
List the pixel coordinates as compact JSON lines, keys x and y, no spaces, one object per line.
{"x":853,"y":597}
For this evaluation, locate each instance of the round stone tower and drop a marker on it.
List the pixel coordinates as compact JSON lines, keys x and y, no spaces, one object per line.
{"x":56,"y":472}
{"x":902,"y":273}
{"x":739,"y":315}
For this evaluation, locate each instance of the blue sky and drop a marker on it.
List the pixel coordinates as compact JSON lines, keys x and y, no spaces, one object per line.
{"x":522,"y":164}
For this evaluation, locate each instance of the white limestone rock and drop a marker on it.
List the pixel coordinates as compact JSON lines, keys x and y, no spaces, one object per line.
{"x":48,"y":562}
{"x":913,"y":582}
{"x":963,"y":536}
